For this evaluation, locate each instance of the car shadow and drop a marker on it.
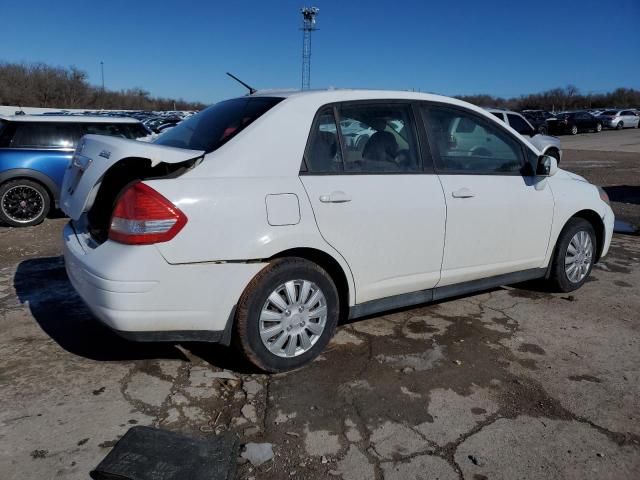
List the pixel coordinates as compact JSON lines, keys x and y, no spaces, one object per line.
{"x":42,"y":284}
{"x":624,"y":193}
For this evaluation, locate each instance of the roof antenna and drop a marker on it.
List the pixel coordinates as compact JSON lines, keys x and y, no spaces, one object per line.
{"x":251,"y":89}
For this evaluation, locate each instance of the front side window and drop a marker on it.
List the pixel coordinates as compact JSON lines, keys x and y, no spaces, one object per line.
{"x":216,"y":125}
{"x":379,"y":138}
{"x":468,"y":144}
{"x":44,"y":135}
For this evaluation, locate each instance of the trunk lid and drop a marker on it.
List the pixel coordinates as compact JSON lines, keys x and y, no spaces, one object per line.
{"x":96,"y":154}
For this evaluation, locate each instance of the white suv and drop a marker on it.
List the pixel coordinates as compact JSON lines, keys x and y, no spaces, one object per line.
{"x":547,"y":144}
{"x":255,"y":220}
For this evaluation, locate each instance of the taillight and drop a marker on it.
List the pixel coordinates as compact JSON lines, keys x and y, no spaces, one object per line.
{"x":142,"y":216}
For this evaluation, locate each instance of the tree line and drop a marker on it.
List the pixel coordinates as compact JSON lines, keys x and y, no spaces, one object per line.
{"x":41,"y":85}
{"x":560,"y":99}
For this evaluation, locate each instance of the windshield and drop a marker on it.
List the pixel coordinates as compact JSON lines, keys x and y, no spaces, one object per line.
{"x":610,"y":112}
{"x":216,"y":125}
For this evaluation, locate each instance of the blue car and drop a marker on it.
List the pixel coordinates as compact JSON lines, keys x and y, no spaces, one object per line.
{"x":35,"y":151}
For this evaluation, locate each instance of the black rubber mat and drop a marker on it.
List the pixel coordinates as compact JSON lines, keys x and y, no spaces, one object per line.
{"x":146,"y":453}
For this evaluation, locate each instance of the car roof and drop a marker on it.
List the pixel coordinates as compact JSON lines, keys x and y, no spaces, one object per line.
{"x":347,"y":94}
{"x":67,"y":119}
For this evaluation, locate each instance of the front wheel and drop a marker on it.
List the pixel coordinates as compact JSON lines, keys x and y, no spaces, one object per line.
{"x":286,"y":315}
{"x":574,"y":256}
{"x":23,"y":203}
{"x":574,"y":130}
{"x":598,"y":127}
{"x":554,"y":153}
{"x":619,"y":126}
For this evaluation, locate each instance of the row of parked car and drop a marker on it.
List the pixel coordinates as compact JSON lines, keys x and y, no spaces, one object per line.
{"x":574,"y":122}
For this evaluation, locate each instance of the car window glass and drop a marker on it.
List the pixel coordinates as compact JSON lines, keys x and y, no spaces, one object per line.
{"x":217,"y":124}
{"x":381,"y":138}
{"x":519,"y":124}
{"x":499,"y":115}
{"x":123,"y":130}
{"x":47,"y":135}
{"x":477,"y":147}
{"x":323,"y":154}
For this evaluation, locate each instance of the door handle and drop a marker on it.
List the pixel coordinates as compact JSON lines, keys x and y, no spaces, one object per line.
{"x":463,"y":193}
{"x":335,"y":197}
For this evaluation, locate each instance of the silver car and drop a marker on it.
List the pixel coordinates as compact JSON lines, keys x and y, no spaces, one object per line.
{"x":619,"y":119}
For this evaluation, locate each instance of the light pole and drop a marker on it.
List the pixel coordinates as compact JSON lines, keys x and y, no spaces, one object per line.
{"x":102,"y":72}
{"x":308,"y":26}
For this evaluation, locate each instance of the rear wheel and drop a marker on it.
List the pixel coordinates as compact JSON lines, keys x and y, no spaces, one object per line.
{"x":574,"y":130}
{"x":287,"y":315}
{"x":598,"y":127}
{"x":574,"y":256}
{"x":23,"y":203}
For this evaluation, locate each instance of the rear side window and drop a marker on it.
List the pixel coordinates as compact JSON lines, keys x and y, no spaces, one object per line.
{"x":379,"y":138}
{"x":371,"y":138}
{"x":216,"y":125}
{"x":468,"y":144}
{"x":44,"y":135}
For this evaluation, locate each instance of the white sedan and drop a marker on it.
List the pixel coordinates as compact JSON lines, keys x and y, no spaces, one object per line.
{"x":256,"y":221}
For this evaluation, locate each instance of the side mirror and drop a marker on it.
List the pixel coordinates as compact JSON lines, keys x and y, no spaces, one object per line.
{"x":547,"y":166}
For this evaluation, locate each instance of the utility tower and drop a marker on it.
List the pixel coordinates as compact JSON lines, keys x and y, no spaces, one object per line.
{"x":308,"y":26}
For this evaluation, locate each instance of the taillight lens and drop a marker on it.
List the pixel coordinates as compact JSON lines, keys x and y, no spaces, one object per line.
{"x":142,"y":216}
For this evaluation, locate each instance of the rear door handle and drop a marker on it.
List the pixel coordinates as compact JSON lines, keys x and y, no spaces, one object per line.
{"x":463,"y":193}
{"x":335,"y":197}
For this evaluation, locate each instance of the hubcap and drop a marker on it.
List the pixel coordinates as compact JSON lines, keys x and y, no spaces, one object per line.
{"x":22,"y":203}
{"x":578,"y":257}
{"x":293,"y":318}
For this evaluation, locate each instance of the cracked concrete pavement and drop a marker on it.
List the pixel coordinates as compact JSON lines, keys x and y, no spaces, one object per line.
{"x":509,"y":383}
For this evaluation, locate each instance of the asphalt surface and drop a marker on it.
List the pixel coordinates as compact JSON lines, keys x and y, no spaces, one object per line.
{"x":626,"y":140}
{"x":509,"y":383}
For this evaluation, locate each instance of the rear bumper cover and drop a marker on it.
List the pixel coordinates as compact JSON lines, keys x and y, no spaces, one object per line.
{"x":135,"y":292}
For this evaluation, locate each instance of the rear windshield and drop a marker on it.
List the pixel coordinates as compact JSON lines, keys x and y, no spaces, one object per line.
{"x":610,"y":112}
{"x":216,"y":125}
{"x":123,"y":130}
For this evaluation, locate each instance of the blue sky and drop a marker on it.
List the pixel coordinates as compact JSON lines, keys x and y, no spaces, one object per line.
{"x":182,"y":49}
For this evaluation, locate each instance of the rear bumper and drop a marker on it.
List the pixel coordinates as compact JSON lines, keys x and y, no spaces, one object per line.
{"x":134,"y":291}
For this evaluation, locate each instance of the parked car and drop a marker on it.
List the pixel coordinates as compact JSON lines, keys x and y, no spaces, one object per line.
{"x":252,"y":220}
{"x":619,"y":119}
{"x":35,"y":151}
{"x":574,"y":123}
{"x":546,"y":144}
{"x":539,"y":118}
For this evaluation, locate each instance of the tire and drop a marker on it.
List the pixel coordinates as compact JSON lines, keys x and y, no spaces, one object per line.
{"x":574,"y":130}
{"x":619,"y":126}
{"x":23,"y":203}
{"x":256,"y":314}
{"x":598,"y":127}
{"x":574,"y":232}
{"x":554,"y":153}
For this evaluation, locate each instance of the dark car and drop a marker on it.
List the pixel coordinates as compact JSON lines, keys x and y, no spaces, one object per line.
{"x":574,"y":123}
{"x":539,"y":118}
{"x":34,"y":154}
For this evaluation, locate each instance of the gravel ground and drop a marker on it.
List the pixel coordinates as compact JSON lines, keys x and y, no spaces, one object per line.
{"x":510,"y":383}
